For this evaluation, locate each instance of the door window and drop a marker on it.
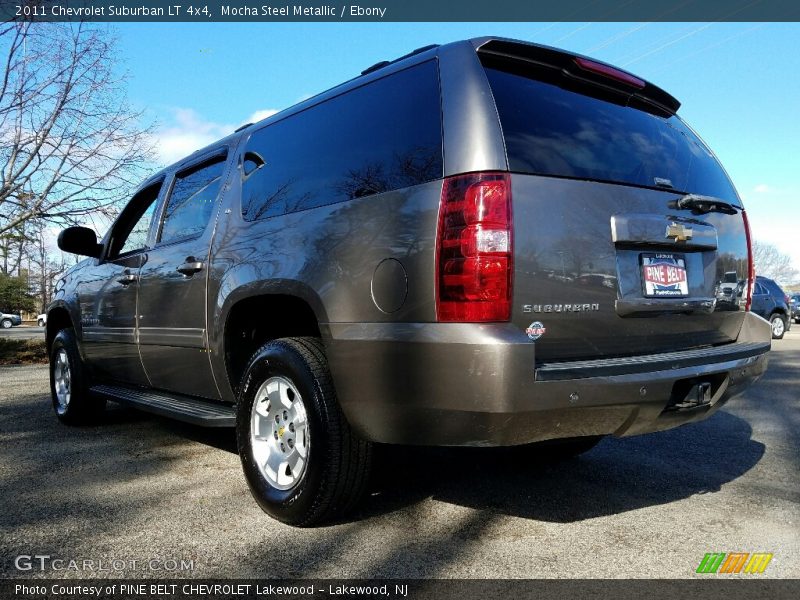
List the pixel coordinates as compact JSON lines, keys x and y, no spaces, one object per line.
{"x":132,"y":229}
{"x":192,"y":200}
{"x":137,"y":239}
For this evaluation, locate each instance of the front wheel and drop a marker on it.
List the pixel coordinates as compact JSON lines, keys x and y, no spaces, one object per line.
{"x":69,"y":385}
{"x":302,"y":461}
{"x":6,"y":323}
{"x":40,"y":322}
{"x":778,"y":324}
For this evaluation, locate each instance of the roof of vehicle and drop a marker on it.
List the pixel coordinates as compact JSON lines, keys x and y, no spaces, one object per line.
{"x":771,"y":283}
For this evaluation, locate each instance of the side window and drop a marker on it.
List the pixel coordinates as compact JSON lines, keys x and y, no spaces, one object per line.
{"x":192,"y":200}
{"x":133,"y":226}
{"x":383,"y":136}
{"x":137,"y":239}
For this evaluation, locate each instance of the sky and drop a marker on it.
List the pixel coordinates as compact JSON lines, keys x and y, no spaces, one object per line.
{"x":739,"y":84}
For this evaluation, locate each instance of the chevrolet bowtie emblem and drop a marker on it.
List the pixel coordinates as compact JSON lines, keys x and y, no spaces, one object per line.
{"x":679,"y":233}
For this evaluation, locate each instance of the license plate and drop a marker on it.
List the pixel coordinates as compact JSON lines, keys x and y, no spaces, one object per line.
{"x":664,"y":276}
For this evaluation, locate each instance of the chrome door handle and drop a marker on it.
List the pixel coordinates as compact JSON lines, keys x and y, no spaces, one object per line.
{"x":127,"y":278}
{"x":190,"y":267}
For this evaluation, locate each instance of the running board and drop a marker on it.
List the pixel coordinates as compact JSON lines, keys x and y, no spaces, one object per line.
{"x":183,"y":408}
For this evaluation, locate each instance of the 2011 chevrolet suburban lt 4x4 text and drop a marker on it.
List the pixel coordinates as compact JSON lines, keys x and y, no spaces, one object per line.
{"x":487,"y":242}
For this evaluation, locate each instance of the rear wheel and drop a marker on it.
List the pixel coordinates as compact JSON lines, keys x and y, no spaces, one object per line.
{"x":778,"y":323}
{"x":40,"y":322}
{"x":6,"y":323}
{"x":302,"y":462}
{"x":69,"y":385}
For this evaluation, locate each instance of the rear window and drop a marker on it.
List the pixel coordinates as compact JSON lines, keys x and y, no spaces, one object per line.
{"x":550,"y":130}
{"x":383,"y":136}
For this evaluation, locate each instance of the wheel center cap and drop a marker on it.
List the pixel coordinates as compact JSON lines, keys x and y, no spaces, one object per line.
{"x":281,"y":431}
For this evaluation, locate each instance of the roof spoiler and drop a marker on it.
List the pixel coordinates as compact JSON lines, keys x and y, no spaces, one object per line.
{"x":580,"y":69}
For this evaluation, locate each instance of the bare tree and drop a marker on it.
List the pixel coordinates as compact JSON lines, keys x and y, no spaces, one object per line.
{"x":12,"y":248}
{"x":772,"y":263}
{"x":44,"y":266}
{"x":69,"y":143}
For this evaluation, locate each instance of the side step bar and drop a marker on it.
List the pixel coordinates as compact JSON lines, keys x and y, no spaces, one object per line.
{"x":183,"y":408}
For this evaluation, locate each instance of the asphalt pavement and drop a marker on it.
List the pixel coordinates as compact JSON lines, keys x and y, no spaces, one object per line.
{"x":23,"y":332}
{"x":142,"y":496}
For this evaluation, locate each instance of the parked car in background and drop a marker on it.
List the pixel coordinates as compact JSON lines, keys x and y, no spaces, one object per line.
{"x":772,"y":303}
{"x":794,"y":301}
{"x":728,"y":287}
{"x":41,"y":320}
{"x":9,"y":320}
{"x":395,"y":261}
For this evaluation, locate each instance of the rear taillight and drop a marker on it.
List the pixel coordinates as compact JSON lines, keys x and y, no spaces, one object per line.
{"x":473,"y":252}
{"x":751,"y":267}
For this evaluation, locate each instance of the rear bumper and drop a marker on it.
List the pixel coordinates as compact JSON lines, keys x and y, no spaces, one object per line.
{"x":475,"y":385}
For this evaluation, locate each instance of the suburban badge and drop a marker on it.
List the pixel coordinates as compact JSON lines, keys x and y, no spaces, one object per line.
{"x":558,"y":308}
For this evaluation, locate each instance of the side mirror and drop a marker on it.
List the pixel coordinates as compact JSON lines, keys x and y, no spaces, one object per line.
{"x":79,"y":240}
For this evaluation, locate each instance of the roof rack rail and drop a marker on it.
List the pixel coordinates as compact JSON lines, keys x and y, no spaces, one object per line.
{"x":245,"y":126}
{"x":375,"y":67}
{"x":384,"y":63}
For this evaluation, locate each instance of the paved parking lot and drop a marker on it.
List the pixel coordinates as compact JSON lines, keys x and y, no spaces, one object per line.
{"x":136,"y":488}
{"x":24,"y":332}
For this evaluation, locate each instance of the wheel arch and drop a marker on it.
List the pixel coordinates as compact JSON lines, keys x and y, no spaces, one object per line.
{"x":258,"y":313}
{"x":58,"y":318}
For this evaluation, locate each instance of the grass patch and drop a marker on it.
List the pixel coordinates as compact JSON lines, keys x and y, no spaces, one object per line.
{"x":22,"y":352}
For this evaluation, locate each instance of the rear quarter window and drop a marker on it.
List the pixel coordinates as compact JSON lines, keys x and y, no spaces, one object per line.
{"x":550,"y":130}
{"x":383,"y":136}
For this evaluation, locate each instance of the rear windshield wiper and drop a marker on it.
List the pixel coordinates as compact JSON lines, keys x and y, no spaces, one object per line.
{"x":701,"y":205}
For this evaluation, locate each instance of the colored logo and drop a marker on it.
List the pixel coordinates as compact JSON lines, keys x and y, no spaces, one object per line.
{"x":664,"y":275}
{"x":679,"y":233}
{"x":734,"y":562}
{"x":535,"y":330}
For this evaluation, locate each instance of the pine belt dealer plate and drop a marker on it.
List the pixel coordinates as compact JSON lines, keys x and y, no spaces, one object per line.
{"x":664,"y":275}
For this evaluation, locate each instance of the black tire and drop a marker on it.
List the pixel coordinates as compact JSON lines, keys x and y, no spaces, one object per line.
{"x":82,"y":407}
{"x":40,"y":323}
{"x":6,"y":324}
{"x":781,"y":330}
{"x":338,"y":462}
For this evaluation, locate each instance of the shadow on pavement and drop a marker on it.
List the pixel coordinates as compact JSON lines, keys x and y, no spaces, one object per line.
{"x":619,"y":475}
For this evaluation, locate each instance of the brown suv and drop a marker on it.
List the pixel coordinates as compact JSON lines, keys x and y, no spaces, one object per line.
{"x":483,"y":243}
